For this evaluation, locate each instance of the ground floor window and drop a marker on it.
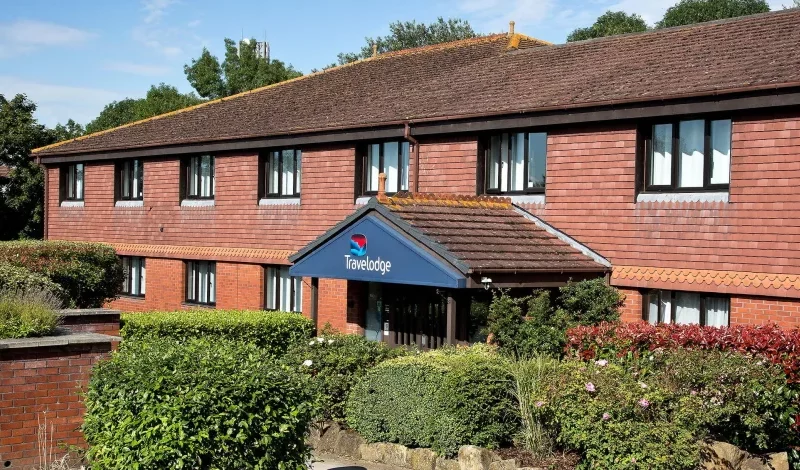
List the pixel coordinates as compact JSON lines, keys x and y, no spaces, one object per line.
{"x":135,"y":276}
{"x":282,"y":291}
{"x":685,"y":308}
{"x":201,"y":282}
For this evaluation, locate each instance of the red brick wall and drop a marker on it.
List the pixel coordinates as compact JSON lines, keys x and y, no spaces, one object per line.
{"x":43,"y":382}
{"x":758,"y":310}
{"x":631,"y":310}
{"x":447,"y":166}
{"x":240,"y":286}
{"x":164,"y":286}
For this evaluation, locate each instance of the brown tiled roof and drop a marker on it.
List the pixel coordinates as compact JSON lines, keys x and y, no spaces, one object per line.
{"x":490,"y":76}
{"x":489,"y":234}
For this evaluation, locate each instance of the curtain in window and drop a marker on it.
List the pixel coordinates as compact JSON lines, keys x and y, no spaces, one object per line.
{"x":373,"y":166}
{"x":390,"y":164}
{"x":692,"y":142}
{"x":687,"y":308}
{"x":652,"y":308}
{"x":283,"y":291}
{"x":495,"y":166}
{"x":504,"y":162}
{"x":193,"y":176}
{"x":274,"y":167}
{"x":537,"y":152}
{"x":517,"y":161}
{"x":79,"y":181}
{"x":206,"y":170}
{"x":126,"y":268}
{"x":288,"y":172}
{"x":661,"y":162}
{"x":666,"y":306}
{"x":721,"y":151}
{"x":143,"y":275}
{"x":717,"y":311}
{"x":299,"y":169}
{"x":404,"y":150}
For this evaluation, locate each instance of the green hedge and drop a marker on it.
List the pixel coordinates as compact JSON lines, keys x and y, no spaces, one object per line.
{"x":273,"y":331}
{"x":89,"y":273}
{"x":19,"y":279}
{"x":336,"y":362}
{"x":199,"y":404}
{"x":442,"y":400}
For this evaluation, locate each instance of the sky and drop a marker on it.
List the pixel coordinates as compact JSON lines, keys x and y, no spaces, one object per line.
{"x":73,"y":58}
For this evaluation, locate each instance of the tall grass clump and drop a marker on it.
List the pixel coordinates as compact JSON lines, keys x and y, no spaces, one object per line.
{"x":529,"y":380}
{"x":28,"y":313}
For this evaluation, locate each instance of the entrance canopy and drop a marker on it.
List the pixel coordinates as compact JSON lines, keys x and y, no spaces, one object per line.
{"x":448,"y":241}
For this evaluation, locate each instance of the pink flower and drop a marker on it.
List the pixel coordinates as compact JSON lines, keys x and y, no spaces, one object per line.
{"x":606,"y":416}
{"x":693,"y":392}
{"x":539,"y":404}
{"x":601,"y":362}
{"x":644,"y":403}
{"x":590,"y":387}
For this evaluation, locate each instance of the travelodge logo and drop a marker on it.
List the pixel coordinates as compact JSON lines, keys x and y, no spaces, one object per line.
{"x":362,"y":262}
{"x":358,"y":245}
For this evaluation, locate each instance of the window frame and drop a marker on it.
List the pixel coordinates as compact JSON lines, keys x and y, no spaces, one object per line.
{"x":363,"y":161}
{"x":673,"y":296}
{"x":186,"y":169}
{"x":485,"y":149}
{"x":126,"y":291}
{"x":264,"y":173}
{"x":645,"y":145}
{"x":292,"y":295}
{"x":120,"y":180}
{"x":64,"y":180}
{"x":212,"y":267}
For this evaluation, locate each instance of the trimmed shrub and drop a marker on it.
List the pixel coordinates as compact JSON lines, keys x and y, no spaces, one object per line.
{"x":17,"y":278}
{"x":336,"y":362}
{"x":201,"y":404}
{"x":442,"y":399}
{"x":28,"y":313}
{"x":90,"y":273}
{"x":272,"y":331}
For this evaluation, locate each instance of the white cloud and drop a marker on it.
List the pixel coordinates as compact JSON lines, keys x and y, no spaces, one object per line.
{"x":148,"y":70}
{"x":194,"y":23}
{"x":156,"y":9}
{"x":27,"y":35}
{"x":168,"y":41}
{"x":58,"y":103}
{"x":494,"y":15}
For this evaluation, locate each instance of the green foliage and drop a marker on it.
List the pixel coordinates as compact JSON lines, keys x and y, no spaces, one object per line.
{"x":89,"y":273}
{"x":337,"y":362}
{"x":201,"y":404}
{"x":159,"y":100}
{"x":527,"y":326}
{"x":27,"y":313}
{"x":20,"y":279}
{"x":274,"y":332}
{"x":442,"y":399}
{"x":610,"y":23}
{"x":241,"y":71}
{"x":409,"y":34}
{"x":697,"y":11}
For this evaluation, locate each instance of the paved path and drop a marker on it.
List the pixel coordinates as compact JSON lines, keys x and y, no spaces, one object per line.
{"x":323,"y":462}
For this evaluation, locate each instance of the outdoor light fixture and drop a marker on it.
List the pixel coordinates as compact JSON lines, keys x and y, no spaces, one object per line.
{"x":486,"y":281}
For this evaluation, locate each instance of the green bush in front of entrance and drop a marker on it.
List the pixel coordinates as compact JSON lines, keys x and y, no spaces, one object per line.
{"x":203,"y":403}
{"x":441,"y":399}
{"x":274,"y":332}
{"x":336,"y":362}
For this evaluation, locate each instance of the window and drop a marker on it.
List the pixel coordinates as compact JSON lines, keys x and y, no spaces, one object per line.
{"x":690,"y":155}
{"x":135,"y":276}
{"x":201,"y":282}
{"x":72,"y":182}
{"x":281,"y":171}
{"x":283,"y":292}
{"x":390,"y":158}
{"x":684,"y":308}
{"x":199,"y":180}
{"x":130,"y":180}
{"x":516,"y":162}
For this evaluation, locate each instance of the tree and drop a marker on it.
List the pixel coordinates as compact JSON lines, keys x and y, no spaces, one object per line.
{"x":698,"y":11}
{"x":159,"y":100}
{"x":21,"y":201}
{"x":412,"y":34}
{"x":242,"y":70}
{"x":610,"y":23}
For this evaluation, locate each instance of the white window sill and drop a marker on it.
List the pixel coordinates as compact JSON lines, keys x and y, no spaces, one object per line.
{"x":138,"y":203}
{"x":71,"y":203}
{"x":197,"y":203}
{"x":721,"y":196}
{"x":528,"y":199}
{"x":282,"y":201}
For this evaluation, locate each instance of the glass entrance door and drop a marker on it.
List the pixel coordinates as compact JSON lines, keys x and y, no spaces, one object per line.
{"x":373,"y":328}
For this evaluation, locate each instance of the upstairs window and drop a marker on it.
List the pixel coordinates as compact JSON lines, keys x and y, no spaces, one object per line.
{"x":281,"y":170}
{"x":390,"y":158}
{"x":135,"y":276}
{"x":72,"y":182}
{"x":690,"y":155}
{"x":516,"y":163}
{"x":130,"y":180}
{"x":283,"y":292}
{"x":685,"y":308}
{"x":201,"y":282}
{"x":199,"y":177}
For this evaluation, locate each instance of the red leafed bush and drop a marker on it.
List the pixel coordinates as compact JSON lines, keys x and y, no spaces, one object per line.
{"x":608,"y":340}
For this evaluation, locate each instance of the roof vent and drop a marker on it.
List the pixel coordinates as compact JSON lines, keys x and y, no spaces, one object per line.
{"x":374,"y":49}
{"x":510,"y":28}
